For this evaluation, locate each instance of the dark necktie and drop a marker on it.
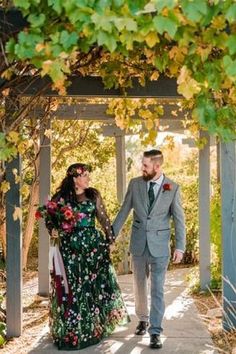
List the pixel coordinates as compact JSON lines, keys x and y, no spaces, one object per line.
{"x":151,"y":194}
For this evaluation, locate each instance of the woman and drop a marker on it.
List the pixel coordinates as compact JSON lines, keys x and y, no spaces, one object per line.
{"x":89,"y":306}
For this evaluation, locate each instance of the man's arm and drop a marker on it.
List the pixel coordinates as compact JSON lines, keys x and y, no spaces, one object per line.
{"x":179,"y":222}
{"x":124,"y":211}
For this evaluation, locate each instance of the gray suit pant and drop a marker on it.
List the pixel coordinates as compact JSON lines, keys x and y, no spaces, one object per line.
{"x":142,"y":266}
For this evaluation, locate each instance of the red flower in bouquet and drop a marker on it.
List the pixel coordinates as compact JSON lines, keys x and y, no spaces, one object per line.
{"x":167,"y":187}
{"x":68,"y":213}
{"x":59,"y":215}
{"x":38,"y":215}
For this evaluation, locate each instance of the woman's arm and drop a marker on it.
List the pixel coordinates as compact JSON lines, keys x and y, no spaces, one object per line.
{"x":103,"y":219}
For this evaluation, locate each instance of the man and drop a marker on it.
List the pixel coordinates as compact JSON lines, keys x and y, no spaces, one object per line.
{"x":154,"y":199}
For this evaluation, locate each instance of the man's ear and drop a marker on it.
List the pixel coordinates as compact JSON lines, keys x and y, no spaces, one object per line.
{"x":156,"y":167}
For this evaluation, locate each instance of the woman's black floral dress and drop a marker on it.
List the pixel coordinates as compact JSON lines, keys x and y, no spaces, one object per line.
{"x":94,"y":304}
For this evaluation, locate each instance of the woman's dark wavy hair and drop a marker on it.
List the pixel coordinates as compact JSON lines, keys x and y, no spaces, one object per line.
{"x":66,"y":190}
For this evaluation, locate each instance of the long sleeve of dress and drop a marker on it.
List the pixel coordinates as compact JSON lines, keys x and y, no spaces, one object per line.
{"x":104,"y":220}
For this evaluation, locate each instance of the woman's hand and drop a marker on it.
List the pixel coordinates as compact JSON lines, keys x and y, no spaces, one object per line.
{"x":54,"y":233}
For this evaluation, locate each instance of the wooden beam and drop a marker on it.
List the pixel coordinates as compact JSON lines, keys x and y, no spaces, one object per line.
{"x":96,"y":111}
{"x":14,"y":251}
{"x":204,"y":213}
{"x":91,"y":86}
{"x":170,"y":126}
{"x":228,"y":195}
{"x":44,"y":195}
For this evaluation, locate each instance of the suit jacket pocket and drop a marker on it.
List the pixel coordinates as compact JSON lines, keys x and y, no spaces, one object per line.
{"x":136,"y":226}
{"x":161,"y":230}
{"x":163,"y":235}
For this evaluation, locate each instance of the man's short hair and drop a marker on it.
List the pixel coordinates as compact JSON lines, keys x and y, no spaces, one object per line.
{"x":155,"y":155}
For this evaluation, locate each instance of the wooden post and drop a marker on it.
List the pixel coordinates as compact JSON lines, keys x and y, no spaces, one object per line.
{"x":44,"y":194}
{"x":228,"y":193}
{"x":121,"y":183}
{"x":218,"y":161}
{"x":120,"y":168}
{"x":204,"y":213}
{"x":13,"y":234}
{"x":14,"y":250}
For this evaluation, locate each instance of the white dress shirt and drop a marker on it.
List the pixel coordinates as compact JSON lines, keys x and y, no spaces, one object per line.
{"x":158,"y":183}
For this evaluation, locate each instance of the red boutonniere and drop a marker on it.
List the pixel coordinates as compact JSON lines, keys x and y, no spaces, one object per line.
{"x":167,"y":187}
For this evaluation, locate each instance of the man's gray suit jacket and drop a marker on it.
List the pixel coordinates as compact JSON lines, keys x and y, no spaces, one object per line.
{"x":152,"y":227}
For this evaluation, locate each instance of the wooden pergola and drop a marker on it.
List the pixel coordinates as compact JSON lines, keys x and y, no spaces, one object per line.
{"x":162,"y":89}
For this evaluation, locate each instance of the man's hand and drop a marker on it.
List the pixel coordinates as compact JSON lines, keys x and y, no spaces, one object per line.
{"x":112,"y":247}
{"x":177,"y":256}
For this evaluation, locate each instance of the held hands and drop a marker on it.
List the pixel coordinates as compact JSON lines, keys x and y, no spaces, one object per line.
{"x":177,"y":256}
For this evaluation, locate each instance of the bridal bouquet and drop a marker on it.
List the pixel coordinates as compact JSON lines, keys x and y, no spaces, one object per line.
{"x":59,"y":215}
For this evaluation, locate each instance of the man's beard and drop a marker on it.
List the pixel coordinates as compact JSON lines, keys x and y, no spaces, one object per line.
{"x":149,"y":176}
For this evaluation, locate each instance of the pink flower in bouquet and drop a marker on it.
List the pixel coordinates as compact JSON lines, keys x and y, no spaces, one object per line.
{"x":51,"y":206}
{"x":66,"y":226}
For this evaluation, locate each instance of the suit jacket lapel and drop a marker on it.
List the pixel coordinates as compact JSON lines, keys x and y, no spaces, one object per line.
{"x":158,"y":195}
{"x":143,"y":194}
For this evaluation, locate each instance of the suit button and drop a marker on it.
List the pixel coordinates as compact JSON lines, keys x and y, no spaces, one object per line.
{"x":148,"y":218}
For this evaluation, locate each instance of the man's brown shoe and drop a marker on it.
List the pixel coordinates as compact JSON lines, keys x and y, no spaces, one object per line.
{"x":155,"y":341}
{"x":141,"y":328}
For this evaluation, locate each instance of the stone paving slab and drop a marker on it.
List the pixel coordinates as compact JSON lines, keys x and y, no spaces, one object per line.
{"x":184,"y":332}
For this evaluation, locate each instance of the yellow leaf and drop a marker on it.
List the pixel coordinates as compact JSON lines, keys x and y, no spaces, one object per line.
{"x":63,"y":55}
{"x":46,"y":66}
{"x":187,"y":86}
{"x":155,"y":75}
{"x":6,"y":92}
{"x":149,"y":124}
{"x":145,"y":113}
{"x":174,"y":113}
{"x":5,"y":186}
{"x":22,"y":146}
{"x":86,"y":31}
{"x":204,"y":52}
{"x":39,"y":47}
{"x":59,"y":85}
{"x":17,"y":177}
{"x":232,"y":95}
{"x":17,"y":214}
{"x":138,"y":37}
{"x":48,"y":133}
{"x":13,"y":136}
{"x":152,"y":39}
{"x":189,"y":89}
{"x":159,"y":110}
{"x":25,"y":190}
{"x":173,"y":68}
{"x":7,"y":74}
{"x":178,"y":53}
{"x":47,"y":50}
{"x":218,"y":22}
